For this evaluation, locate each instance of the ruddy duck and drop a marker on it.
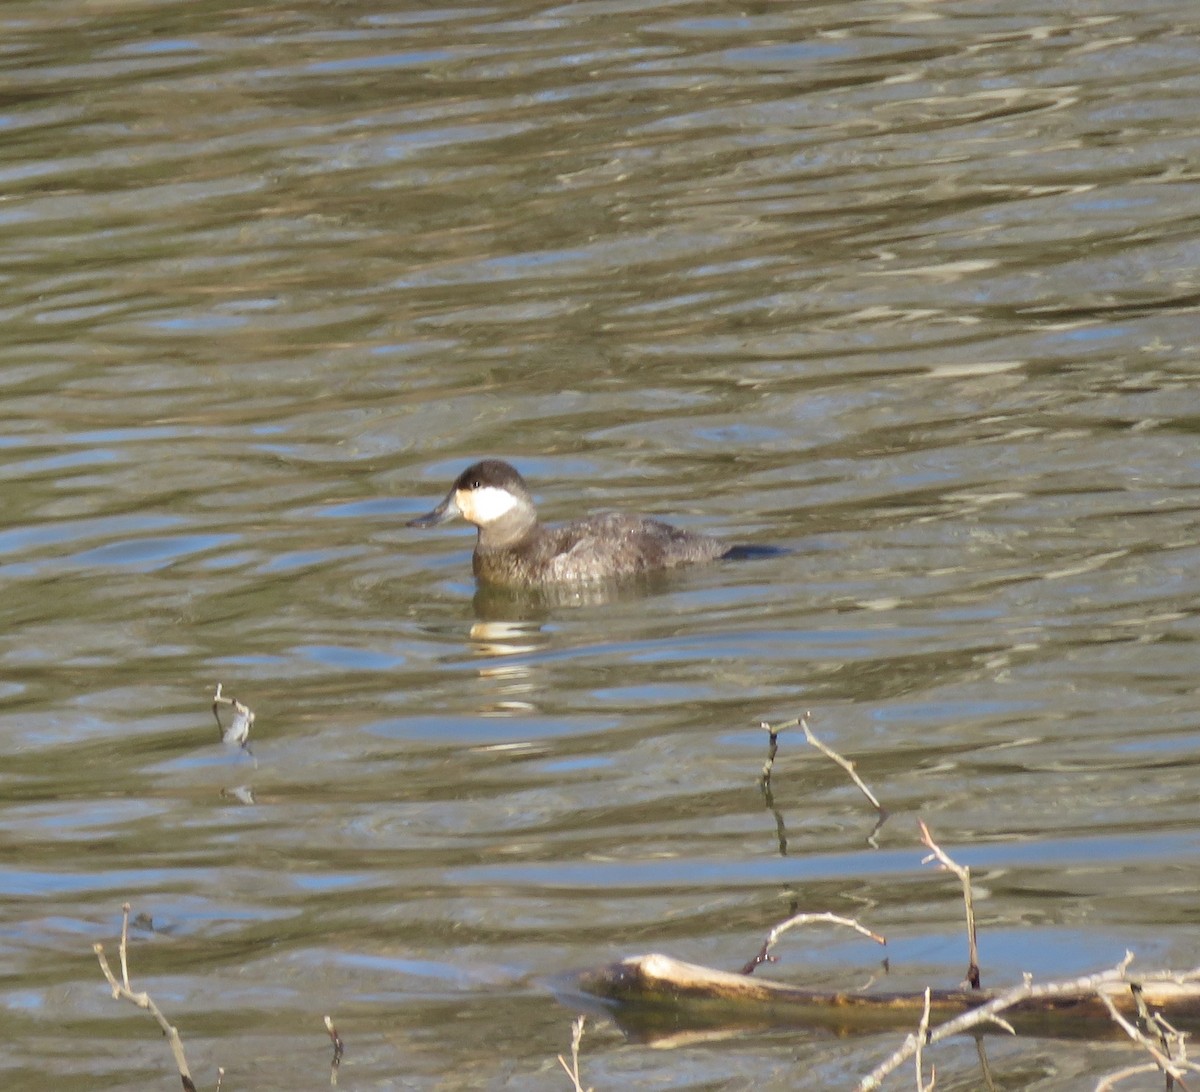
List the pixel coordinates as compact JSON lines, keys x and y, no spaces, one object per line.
{"x":514,"y":549}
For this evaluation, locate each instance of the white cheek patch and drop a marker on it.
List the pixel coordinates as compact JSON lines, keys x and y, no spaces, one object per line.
{"x":486,"y":505}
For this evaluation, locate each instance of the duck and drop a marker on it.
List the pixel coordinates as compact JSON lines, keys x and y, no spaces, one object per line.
{"x":514,"y":549}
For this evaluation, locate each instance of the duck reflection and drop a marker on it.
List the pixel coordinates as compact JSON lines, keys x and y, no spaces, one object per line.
{"x":501,"y":603}
{"x":512,"y":624}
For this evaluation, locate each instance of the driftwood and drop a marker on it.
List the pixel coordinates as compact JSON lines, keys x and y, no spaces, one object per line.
{"x":661,"y":1000}
{"x":654,"y":998}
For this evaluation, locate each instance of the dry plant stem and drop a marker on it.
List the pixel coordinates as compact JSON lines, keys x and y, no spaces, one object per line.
{"x":764,"y":783}
{"x":144,"y":1001}
{"x":123,"y":951}
{"x":572,"y":1070}
{"x":964,"y":877}
{"x":1173,"y":1041}
{"x":922,"y":1036}
{"x":990,"y":1013}
{"x":1172,"y":1067}
{"x":219,"y":699}
{"x":829,"y":752}
{"x":338,"y":1049}
{"x":984,"y":1067}
{"x":845,"y":764}
{"x":805,"y":919}
{"x":772,"y":751}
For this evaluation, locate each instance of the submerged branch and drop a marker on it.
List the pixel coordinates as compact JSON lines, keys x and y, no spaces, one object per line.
{"x":802,"y":722}
{"x":121,"y":991}
{"x":964,"y":877}
{"x":826,"y":918}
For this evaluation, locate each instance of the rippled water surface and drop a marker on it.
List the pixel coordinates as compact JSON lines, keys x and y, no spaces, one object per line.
{"x":908,"y":287}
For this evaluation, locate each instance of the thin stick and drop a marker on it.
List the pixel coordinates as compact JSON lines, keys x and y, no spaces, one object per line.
{"x":764,"y":783}
{"x":123,"y":950}
{"x":218,"y":700}
{"x":964,"y":876}
{"x":1170,"y":1036}
{"x":772,"y":750}
{"x":1173,"y":1069}
{"x":828,"y":752}
{"x":805,"y":919}
{"x":338,"y":1049}
{"x":981,"y":1050}
{"x":922,"y":1036}
{"x":845,"y":764}
{"x":144,"y":1001}
{"x":572,"y":1070}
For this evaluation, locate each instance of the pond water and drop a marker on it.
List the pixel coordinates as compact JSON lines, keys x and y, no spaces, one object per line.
{"x":910,"y":288}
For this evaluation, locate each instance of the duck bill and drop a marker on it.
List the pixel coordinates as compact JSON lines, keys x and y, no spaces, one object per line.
{"x":443,"y":513}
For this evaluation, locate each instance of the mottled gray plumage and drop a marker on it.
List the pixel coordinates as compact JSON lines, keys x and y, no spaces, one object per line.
{"x":514,"y":549}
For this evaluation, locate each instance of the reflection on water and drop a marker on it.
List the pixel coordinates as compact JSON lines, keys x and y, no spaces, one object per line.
{"x":496,"y":603}
{"x":909,"y":289}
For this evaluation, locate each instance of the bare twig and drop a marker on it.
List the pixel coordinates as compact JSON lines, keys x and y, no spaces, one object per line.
{"x":922,"y":1038}
{"x":338,"y":1049}
{"x":1174,"y":1041}
{"x":828,"y":752}
{"x":764,"y":783}
{"x":1173,"y":1067}
{"x":121,"y":990}
{"x":845,"y":764}
{"x":772,"y":750}
{"x":123,"y":950}
{"x":572,"y":1070}
{"x":1098,"y":984}
{"x":964,"y":876}
{"x":805,"y":919}
{"x":981,"y":1049}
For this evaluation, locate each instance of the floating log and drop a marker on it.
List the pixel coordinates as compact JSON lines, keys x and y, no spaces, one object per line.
{"x":655,"y":998}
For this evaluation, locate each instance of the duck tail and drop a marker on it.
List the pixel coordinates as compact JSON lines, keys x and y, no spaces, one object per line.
{"x":748,"y":552}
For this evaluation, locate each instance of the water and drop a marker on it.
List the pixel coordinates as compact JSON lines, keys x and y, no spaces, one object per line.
{"x":910,"y":288}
